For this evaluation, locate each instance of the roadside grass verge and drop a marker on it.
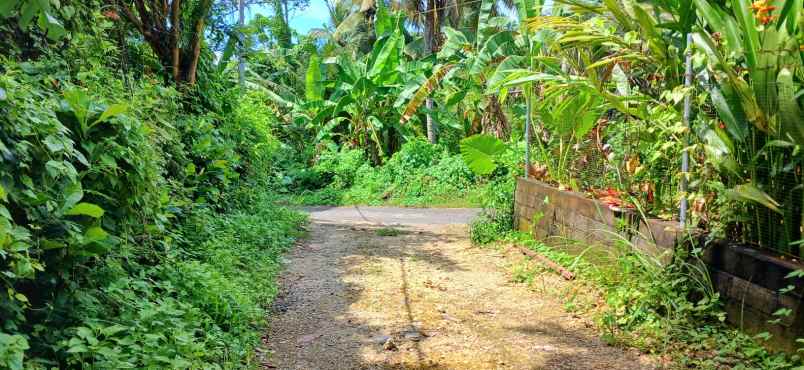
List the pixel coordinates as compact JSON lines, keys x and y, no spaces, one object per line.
{"x":671,"y":311}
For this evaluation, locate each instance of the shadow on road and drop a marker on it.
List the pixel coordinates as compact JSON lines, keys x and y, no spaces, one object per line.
{"x":422,"y":299}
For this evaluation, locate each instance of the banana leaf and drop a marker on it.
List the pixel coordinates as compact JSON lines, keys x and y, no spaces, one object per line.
{"x":751,"y":193}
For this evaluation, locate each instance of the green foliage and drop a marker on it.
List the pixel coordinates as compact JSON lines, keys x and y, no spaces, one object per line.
{"x":669,"y":310}
{"x":135,"y":229}
{"x":202,"y":306}
{"x":420,"y":174}
{"x":754,"y":75}
{"x":38,"y":12}
{"x":497,"y":218}
{"x":480,"y":152}
{"x":388,"y":231}
{"x":12,"y":350}
{"x":497,"y":198}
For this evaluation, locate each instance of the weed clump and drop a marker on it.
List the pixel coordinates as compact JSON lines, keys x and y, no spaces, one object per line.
{"x":668,"y":310}
{"x":388,"y":231}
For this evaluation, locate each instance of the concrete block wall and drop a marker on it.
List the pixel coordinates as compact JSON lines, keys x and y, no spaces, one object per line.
{"x":748,"y":280}
{"x":547,"y":212}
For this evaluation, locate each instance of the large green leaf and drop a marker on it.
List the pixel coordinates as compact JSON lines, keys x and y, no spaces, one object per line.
{"x":112,"y":111}
{"x":789,"y":15}
{"x":85,"y":209}
{"x":383,"y":21}
{"x":55,"y":30}
{"x":504,"y":69}
{"x":457,"y":43}
{"x":525,"y":9}
{"x":747,"y":23}
{"x":6,"y":7}
{"x":28,"y":11}
{"x":95,"y":234}
{"x":750,"y":193}
{"x":423,"y":92}
{"x":730,"y":111}
{"x":486,"y":9}
{"x":710,"y":14}
{"x":524,"y":76}
{"x":79,"y":103}
{"x":313,"y":86}
{"x":790,"y":114}
{"x":649,"y":32}
{"x":480,"y":153}
{"x":498,"y":46}
{"x":616,"y":9}
{"x":349,"y":25}
{"x":385,"y":58}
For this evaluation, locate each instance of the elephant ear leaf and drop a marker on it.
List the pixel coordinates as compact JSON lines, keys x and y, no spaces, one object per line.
{"x":750,"y":193}
{"x":480,"y":153}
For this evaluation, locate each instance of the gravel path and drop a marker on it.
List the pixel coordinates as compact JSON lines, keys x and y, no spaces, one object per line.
{"x":357,"y":295}
{"x":392,"y":215}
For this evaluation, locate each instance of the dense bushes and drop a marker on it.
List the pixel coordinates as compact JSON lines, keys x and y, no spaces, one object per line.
{"x":497,"y":217}
{"x":497,"y":198}
{"x":126,"y":238}
{"x":420,"y":174}
{"x":201,"y":306}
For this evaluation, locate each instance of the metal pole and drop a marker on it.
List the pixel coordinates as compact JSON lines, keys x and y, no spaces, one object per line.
{"x":685,"y":156}
{"x":241,"y":64}
{"x":528,"y":97}
{"x":547,"y":9}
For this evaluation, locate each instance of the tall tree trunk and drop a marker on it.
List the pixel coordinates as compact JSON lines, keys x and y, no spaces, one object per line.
{"x":286,"y":12}
{"x":284,"y":37}
{"x":175,"y":38}
{"x":196,"y":41}
{"x":198,"y":36}
{"x":430,"y":30}
{"x":494,"y":121}
{"x":432,"y":125}
{"x":160,"y":24}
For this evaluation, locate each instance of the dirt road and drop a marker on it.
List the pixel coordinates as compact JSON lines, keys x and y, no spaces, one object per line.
{"x":390,"y":288}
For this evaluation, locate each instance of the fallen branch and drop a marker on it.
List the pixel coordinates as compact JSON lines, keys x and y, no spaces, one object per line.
{"x":566,"y":274}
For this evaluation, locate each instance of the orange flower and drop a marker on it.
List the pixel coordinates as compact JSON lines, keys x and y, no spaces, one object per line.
{"x":766,"y":9}
{"x":761,"y":7}
{"x":765,"y":19}
{"x":762,"y":11}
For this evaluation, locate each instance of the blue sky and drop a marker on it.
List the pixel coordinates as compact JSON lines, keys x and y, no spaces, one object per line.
{"x":314,"y":16}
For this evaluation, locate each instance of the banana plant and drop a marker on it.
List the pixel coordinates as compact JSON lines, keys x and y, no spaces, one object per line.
{"x":467,"y":63}
{"x":360,"y":110}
